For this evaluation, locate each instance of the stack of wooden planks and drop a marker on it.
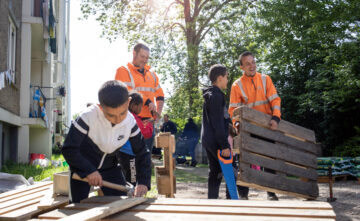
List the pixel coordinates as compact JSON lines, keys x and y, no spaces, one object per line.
{"x":165,"y":179}
{"x":24,"y":203}
{"x":166,"y":209}
{"x":290,"y":151}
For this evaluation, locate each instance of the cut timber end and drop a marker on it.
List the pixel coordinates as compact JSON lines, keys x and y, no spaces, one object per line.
{"x":61,"y":183}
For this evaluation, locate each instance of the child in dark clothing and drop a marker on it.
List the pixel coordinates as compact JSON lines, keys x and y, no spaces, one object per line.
{"x":94,"y":139}
{"x":214,"y":132}
{"x":126,"y":156}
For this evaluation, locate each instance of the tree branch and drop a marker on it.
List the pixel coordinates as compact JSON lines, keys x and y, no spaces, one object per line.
{"x":177,"y":23}
{"x":211,"y":16}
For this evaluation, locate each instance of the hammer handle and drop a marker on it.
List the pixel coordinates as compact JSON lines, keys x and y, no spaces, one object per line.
{"x":114,"y":186}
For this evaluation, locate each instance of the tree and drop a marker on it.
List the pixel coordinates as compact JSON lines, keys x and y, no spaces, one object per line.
{"x":176,"y":30}
{"x":313,"y":55}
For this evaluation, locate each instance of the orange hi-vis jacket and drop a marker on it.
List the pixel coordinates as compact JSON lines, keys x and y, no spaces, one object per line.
{"x":146,"y":84}
{"x":257,"y":92}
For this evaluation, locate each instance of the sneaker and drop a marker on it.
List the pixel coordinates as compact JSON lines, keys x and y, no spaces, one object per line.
{"x":273,"y":198}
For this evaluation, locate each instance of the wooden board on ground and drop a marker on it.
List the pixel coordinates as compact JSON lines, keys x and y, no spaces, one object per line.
{"x":166,"y":209}
{"x":289,"y":155}
{"x":23,"y":204}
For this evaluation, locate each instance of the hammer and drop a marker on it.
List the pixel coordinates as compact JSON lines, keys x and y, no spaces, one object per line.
{"x":126,"y":189}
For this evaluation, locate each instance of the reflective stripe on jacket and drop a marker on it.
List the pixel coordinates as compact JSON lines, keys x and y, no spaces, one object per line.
{"x":147,"y":85}
{"x":257,"y":92}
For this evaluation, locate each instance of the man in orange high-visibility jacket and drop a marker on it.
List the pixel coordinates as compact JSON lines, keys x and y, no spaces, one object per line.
{"x":256,"y":91}
{"x":139,"y":76}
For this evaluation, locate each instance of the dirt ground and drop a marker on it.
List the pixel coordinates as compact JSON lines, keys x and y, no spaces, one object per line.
{"x":346,"y":207}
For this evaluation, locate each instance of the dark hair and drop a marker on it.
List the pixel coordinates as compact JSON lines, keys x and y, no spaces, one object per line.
{"x":139,"y":46}
{"x":244,"y":54}
{"x":215,"y":71}
{"x":113,"y":94}
{"x":136,"y":98}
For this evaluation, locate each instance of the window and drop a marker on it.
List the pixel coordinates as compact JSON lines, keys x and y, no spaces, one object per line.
{"x":12,"y":46}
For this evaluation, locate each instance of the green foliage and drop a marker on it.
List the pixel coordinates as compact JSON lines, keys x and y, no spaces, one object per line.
{"x":313,"y":57}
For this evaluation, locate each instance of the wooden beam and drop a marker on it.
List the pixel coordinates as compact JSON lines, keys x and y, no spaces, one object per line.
{"x":105,"y":210}
{"x":164,"y":216}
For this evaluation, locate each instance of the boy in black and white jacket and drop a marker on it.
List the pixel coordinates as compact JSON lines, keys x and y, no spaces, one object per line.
{"x":93,"y":141}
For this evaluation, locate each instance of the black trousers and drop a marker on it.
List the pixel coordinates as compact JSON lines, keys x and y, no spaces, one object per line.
{"x":128,"y":167}
{"x":215,"y":176}
{"x":79,"y":190}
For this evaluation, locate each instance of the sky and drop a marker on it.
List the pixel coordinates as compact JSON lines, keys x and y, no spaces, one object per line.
{"x":93,"y":60}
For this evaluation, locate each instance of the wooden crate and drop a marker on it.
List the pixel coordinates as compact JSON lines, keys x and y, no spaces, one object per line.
{"x":291,"y":151}
{"x":22,"y":204}
{"x":166,"y":209}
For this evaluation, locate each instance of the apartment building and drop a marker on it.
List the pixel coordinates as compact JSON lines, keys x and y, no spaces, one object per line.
{"x":34,"y":77}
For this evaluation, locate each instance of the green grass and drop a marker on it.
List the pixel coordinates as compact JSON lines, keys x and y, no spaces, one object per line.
{"x":184,"y":177}
{"x":38,"y":173}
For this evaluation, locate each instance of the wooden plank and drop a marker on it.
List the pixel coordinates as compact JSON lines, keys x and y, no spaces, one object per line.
{"x":105,"y":210}
{"x":284,"y":126}
{"x":58,"y":214}
{"x":278,"y":165}
{"x":241,"y":203}
{"x":81,"y":206}
{"x":235,"y":211}
{"x":276,"y":182}
{"x":277,"y":136}
{"x":54,"y":202}
{"x":20,"y":210}
{"x":278,"y":151}
{"x":164,"y":216}
{"x":27,"y":209}
{"x":37,"y":195}
{"x":25,"y":189}
{"x":103,"y":199}
{"x":42,"y":190}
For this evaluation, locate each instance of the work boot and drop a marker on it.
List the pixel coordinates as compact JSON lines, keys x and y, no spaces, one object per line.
{"x":193,"y":163}
{"x":244,"y":198}
{"x":272,"y":197}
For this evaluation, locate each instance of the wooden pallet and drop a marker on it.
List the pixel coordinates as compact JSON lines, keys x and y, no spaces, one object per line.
{"x":24,"y":203}
{"x":165,"y":179}
{"x":166,"y":209}
{"x":290,"y":151}
{"x":325,"y":179}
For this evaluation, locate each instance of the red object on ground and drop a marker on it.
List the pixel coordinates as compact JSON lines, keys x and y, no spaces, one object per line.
{"x":34,"y":156}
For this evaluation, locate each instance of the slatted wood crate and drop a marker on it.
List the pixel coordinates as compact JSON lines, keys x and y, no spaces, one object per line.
{"x":291,"y":151}
{"x":166,"y":209}
{"x":23,"y":204}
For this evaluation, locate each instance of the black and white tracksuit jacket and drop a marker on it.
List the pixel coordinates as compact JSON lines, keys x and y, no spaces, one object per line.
{"x":93,"y":143}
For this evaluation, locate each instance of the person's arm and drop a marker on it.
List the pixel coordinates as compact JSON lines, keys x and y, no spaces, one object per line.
{"x":235,"y":100}
{"x":142,"y":157}
{"x":159,"y":96}
{"x":216,"y":115}
{"x":146,"y":129}
{"x":275,"y":103}
{"x":71,"y":149}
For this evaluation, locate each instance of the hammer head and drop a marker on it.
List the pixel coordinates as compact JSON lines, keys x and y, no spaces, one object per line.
{"x":130,"y":189}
